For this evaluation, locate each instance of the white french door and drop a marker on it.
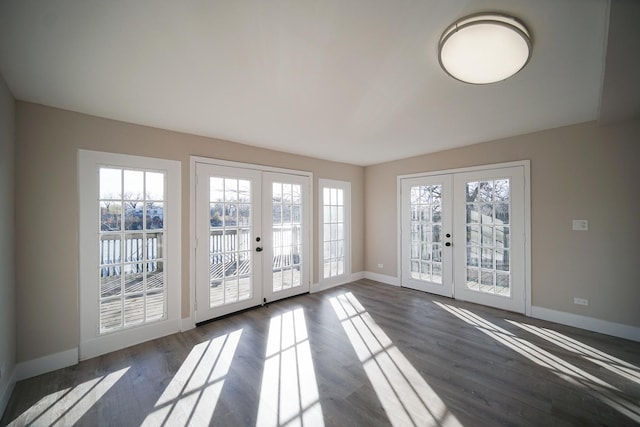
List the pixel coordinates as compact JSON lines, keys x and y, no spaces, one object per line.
{"x":426,"y":231}
{"x":253,"y":242}
{"x":463,"y":236}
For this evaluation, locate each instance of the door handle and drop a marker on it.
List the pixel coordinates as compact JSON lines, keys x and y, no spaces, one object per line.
{"x":258,"y":249}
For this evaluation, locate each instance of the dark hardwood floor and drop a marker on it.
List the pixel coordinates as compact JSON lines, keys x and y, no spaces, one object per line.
{"x":361,"y":354}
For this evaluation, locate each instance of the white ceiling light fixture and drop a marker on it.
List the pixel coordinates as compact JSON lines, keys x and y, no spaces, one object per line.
{"x":484,"y":48}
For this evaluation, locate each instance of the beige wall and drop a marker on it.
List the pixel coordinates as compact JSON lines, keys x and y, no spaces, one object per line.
{"x":7,"y":218}
{"x":581,"y":171}
{"x":47,"y":209}
{"x":577,"y":172}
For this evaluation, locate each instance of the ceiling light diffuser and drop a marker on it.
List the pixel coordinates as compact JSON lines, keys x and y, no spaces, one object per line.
{"x":484,"y":48}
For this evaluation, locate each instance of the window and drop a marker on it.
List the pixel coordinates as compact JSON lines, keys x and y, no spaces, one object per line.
{"x":129,"y":250}
{"x":335,"y":232}
{"x":131,"y":229}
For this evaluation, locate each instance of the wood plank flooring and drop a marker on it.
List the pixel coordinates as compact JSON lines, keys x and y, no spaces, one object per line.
{"x":362,"y":354}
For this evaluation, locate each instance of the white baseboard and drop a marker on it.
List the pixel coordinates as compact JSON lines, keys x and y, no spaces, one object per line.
{"x":6,"y":389}
{"x":328,"y":284}
{"x":357,"y":276}
{"x":588,"y":323}
{"x":111,"y":342}
{"x":42,"y":365}
{"x":389,"y":280}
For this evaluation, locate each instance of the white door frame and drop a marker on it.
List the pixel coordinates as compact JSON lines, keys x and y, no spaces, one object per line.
{"x":190,"y":322}
{"x":526,"y":165}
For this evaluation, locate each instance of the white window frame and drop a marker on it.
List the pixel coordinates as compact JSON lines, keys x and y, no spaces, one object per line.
{"x":345,"y":186}
{"x":92,"y":342}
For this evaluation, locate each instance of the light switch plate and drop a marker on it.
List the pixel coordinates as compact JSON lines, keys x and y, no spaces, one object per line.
{"x":580,"y":225}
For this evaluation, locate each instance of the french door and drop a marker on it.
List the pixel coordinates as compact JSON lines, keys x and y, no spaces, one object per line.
{"x":253,"y":239}
{"x":463,"y":236}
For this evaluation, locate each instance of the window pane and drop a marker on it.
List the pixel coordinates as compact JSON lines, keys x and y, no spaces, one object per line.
{"x":277,"y":192}
{"x":296,"y":192}
{"x":133,"y":309}
{"x":155,"y":275}
{"x":230,"y":190}
{"x":155,"y":246}
{"x":154,"y":186}
{"x":155,"y":215}
{"x":472,"y":191}
{"x":134,"y":247}
{"x":133,"y":277}
{"x":110,"y":183}
{"x":216,"y":212}
{"x":155,"y":305}
{"x":109,"y":249}
{"x":133,"y":215}
{"x":110,"y":216}
{"x":110,"y":314}
{"x":244,"y":191}
{"x":110,"y":282}
{"x":244,"y":215}
{"x":133,"y":185}
{"x":216,"y":189}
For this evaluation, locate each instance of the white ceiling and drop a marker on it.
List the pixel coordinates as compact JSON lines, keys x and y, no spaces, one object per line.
{"x":356,"y":81}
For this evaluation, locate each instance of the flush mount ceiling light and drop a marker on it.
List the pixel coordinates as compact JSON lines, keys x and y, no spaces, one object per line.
{"x":484,"y":48}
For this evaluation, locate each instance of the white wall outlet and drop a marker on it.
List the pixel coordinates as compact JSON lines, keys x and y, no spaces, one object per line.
{"x":581,"y":301}
{"x":380,"y":266}
{"x":580,"y":225}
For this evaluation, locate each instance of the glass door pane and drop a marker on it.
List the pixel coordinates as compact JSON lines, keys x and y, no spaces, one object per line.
{"x":488,"y":204}
{"x":286,"y":237}
{"x":489,"y":238}
{"x":286,"y":232}
{"x":227,"y":226}
{"x":426,"y":231}
{"x":230,"y":237}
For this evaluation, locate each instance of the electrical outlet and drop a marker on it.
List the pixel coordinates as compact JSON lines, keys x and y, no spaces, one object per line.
{"x":581,"y":301}
{"x":380,"y":266}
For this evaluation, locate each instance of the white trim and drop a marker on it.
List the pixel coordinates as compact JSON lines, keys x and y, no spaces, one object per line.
{"x":192,"y":242}
{"x":92,"y":343}
{"x":242,"y":165}
{"x":357,"y":276}
{"x":7,"y":390}
{"x":323,"y":286}
{"x":388,"y":280}
{"x":42,"y":365}
{"x":116,"y":341}
{"x":186,"y":324}
{"x":589,"y":323}
{"x":467,"y":169}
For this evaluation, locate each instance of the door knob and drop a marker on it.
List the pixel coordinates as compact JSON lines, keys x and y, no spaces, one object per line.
{"x":448,"y":244}
{"x":448,"y":234}
{"x":258,"y":249}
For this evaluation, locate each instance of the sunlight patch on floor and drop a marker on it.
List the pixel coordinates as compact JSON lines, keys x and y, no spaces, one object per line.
{"x":405,"y":396}
{"x":67,"y":406}
{"x":613,"y":364}
{"x":289,"y":393}
{"x":192,"y":395}
{"x":602,"y":390}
